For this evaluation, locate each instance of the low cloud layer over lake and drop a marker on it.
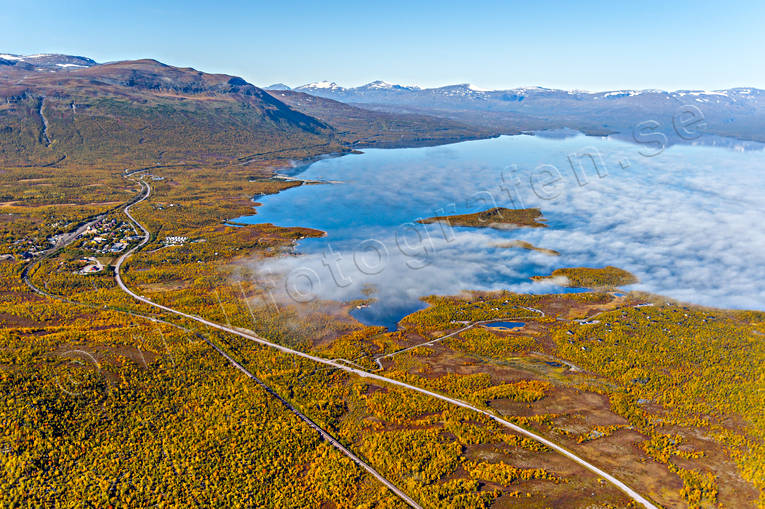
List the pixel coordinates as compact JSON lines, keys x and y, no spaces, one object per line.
{"x":689,"y":222}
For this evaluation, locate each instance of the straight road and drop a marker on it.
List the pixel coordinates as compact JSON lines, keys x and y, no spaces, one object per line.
{"x":436,"y":340}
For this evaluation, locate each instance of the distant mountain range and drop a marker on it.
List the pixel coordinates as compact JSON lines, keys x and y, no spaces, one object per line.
{"x":737,"y":112}
{"x":374,"y":85}
{"x":377,"y":89}
{"x":56,"y":108}
{"x":360,"y":127}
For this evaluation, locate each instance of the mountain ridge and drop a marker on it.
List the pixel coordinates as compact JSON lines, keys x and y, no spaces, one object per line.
{"x":522,"y":89}
{"x":56,"y":108}
{"x":142,"y":112}
{"x":361,"y":128}
{"x":735,"y":112}
{"x":45,"y":61}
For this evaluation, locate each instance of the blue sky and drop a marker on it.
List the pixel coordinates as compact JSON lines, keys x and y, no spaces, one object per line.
{"x":583,"y":45}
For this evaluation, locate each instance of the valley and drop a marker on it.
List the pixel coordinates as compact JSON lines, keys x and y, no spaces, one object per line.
{"x":247,"y":339}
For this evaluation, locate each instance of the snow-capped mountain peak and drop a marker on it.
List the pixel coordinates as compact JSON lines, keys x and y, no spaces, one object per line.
{"x":326,"y":85}
{"x":384,"y":85}
{"x":379,"y":84}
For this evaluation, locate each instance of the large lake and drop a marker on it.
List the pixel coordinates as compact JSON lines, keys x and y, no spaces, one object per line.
{"x":688,"y":221}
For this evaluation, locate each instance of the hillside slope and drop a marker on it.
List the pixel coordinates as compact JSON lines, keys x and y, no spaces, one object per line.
{"x":361,"y":127}
{"x":61,"y":109}
{"x":143,"y":112}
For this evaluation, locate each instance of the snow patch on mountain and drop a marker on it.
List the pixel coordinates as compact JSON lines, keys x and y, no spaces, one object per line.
{"x":621,"y":93}
{"x":48,"y":61}
{"x":321,"y":85}
{"x":702,"y":92}
{"x":379,"y":84}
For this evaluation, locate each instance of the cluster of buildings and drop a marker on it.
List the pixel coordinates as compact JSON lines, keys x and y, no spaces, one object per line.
{"x":175,"y":241}
{"x":109,"y":236}
{"x":26,"y":249}
{"x":92,"y":265}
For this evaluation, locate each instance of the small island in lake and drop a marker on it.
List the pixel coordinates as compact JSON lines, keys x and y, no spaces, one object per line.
{"x":522,"y":244}
{"x":585,"y":277}
{"x":499,"y":218}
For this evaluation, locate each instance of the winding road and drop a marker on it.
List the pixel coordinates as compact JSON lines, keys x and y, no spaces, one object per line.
{"x":67,"y":239}
{"x":323,"y":433}
{"x":360,"y":373}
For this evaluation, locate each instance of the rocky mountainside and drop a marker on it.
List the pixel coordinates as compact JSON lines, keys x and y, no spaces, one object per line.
{"x":141,"y":112}
{"x":56,"y":108}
